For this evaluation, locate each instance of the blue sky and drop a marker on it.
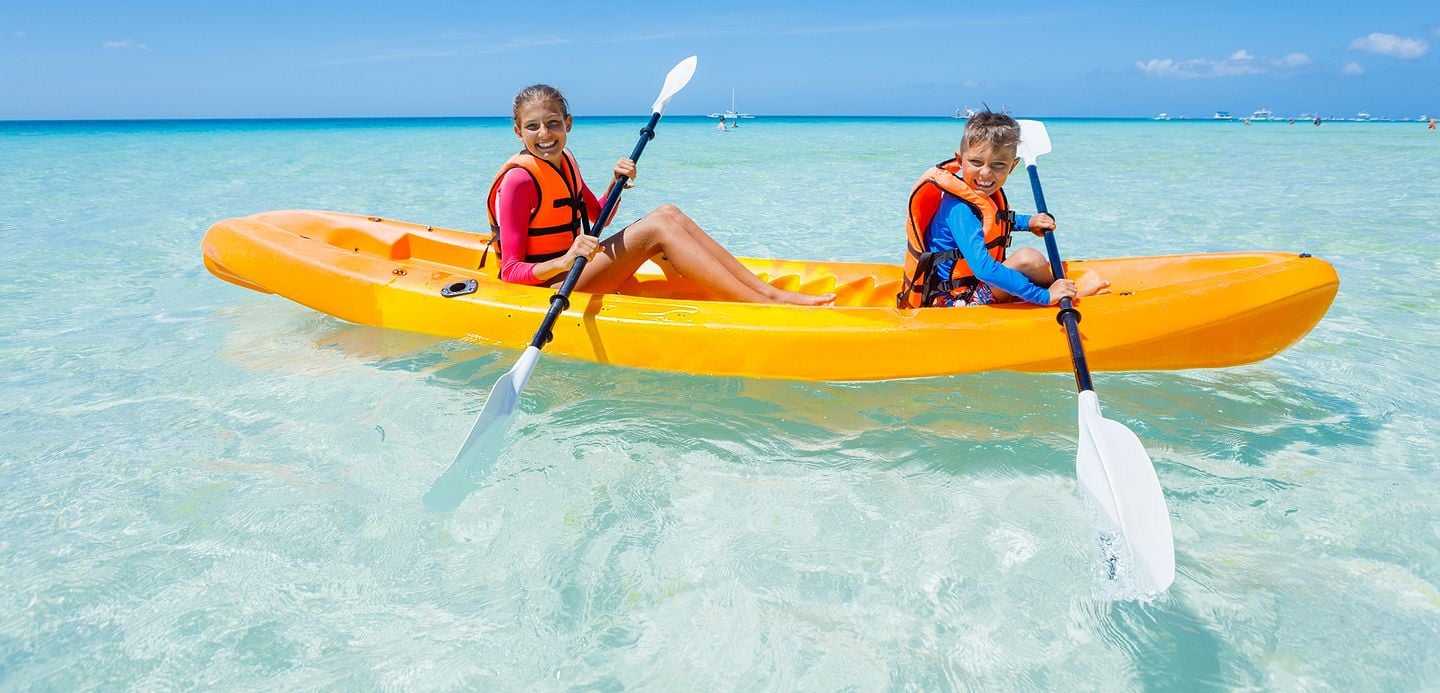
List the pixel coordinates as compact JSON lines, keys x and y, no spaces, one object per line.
{"x":258,"y":58}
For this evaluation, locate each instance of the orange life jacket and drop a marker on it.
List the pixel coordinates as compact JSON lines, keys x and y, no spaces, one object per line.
{"x":558,"y":214}
{"x":920,"y":287}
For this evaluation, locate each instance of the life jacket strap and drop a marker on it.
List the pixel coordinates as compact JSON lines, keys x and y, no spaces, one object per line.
{"x":495,"y":239}
{"x":933,"y":286}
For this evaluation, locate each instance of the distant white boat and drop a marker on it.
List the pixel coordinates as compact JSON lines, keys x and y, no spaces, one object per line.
{"x":965,"y":113}
{"x":1262,"y":114}
{"x":1222,"y":115}
{"x":732,"y":115}
{"x":1162,"y":116}
{"x":1362,"y":116}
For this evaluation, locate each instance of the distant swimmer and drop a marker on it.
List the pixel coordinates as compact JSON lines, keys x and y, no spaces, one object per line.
{"x":1317,"y":120}
{"x":721,"y":126}
{"x":1432,"y":124}
{"x":1292,"y":122}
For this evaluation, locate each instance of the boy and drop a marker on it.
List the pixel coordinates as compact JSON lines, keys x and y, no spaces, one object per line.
{"x":959,"y":228}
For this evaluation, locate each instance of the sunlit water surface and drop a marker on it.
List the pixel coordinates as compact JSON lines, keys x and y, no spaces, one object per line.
{"x":209,"y":487}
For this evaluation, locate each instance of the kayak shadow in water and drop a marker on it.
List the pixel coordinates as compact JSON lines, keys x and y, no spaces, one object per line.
{"x":988,"y":425}
{"x":985,"y":424}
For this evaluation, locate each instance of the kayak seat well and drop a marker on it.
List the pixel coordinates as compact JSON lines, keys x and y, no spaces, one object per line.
{"x":403,"y":244}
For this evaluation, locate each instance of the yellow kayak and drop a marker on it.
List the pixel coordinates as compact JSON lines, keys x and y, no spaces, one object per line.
{"x":1165,"y":312}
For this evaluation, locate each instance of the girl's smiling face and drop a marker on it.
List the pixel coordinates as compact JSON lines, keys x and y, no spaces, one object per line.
{"x":985,"y":166}
{"x":543,"y":127}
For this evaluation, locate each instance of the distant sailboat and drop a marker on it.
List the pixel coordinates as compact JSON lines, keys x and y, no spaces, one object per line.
{"x":731,"y":116}
{"x":965,"y":113}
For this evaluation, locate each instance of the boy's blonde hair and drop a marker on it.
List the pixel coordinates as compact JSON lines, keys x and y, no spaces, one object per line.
{"x":542,"y":93}
{"x":996,"y":129}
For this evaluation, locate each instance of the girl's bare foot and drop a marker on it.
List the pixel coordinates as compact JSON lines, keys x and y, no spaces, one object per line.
{"x":795,"y":298}
{"x":1090,"y":284}
{"x":799,"y":299}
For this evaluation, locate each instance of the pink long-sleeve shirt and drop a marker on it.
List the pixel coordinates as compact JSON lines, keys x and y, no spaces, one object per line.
{"x":514,"y":203}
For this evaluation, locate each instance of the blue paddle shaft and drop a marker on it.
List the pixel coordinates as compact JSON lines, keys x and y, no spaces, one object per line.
{"x":1069,"y":317}
{"x":561,"y":300}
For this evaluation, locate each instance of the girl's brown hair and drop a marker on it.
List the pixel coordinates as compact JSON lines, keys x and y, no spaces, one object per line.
{"x":542,"y":93}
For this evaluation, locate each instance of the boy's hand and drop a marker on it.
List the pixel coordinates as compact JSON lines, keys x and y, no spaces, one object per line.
{"x":1062,"y":288}
{"x":1040,"y":223}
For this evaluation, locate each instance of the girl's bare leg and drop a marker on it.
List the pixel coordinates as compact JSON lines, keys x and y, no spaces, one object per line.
{"x":672,"y":214}
{"x":692,"y":253}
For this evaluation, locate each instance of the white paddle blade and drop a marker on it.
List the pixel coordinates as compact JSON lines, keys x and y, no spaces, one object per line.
{"x":675,"y":81}
{"x":1034,"y":141}
{"x":1113,"y":467}
{"x":499,"y":408}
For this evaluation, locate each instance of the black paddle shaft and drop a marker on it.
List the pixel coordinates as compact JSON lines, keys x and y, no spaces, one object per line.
{"x":560,"y":302}
{"x":1069,"y":316}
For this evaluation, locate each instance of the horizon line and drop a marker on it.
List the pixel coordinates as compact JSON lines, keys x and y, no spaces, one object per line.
{"x":1166,"y":118}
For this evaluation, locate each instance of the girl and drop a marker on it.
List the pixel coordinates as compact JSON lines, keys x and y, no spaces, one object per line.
{"x":535,"y":207}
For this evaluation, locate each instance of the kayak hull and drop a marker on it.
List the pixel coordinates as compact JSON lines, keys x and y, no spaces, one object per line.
{"x":1166,"y":312}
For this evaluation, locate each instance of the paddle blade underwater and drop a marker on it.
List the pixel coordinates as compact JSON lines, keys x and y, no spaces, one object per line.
{"x":500,"y":405}
{"x":482,"y":447}
{"x":1114,"y":469}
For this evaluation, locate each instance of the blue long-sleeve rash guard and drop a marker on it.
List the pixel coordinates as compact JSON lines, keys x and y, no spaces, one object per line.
{"x":956,"y":225}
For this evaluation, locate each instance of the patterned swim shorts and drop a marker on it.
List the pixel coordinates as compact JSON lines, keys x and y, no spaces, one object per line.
{"x":981,"y":296}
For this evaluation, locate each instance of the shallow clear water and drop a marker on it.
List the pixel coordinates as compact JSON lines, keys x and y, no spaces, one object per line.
{"x":205,"y":486}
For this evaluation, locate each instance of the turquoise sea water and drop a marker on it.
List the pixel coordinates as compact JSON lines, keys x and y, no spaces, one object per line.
{"x":202,"y":486}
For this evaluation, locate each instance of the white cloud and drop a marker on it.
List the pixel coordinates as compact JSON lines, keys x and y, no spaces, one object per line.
{"x":523,"y":43}
{"x":1352,"y":69}
{"x":389,"y":56}
{"x":1391,"y":45}
{"x":1239,"y":63}
{"x":125,"y":43}
{"x":467,"y":48}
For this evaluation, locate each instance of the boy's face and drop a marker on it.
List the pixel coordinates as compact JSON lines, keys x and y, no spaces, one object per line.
{"x":985,"y":167}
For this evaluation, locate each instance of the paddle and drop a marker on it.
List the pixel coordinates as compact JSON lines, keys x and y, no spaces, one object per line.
{"x":499,"y":408}
{"x":1111,"y":463}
